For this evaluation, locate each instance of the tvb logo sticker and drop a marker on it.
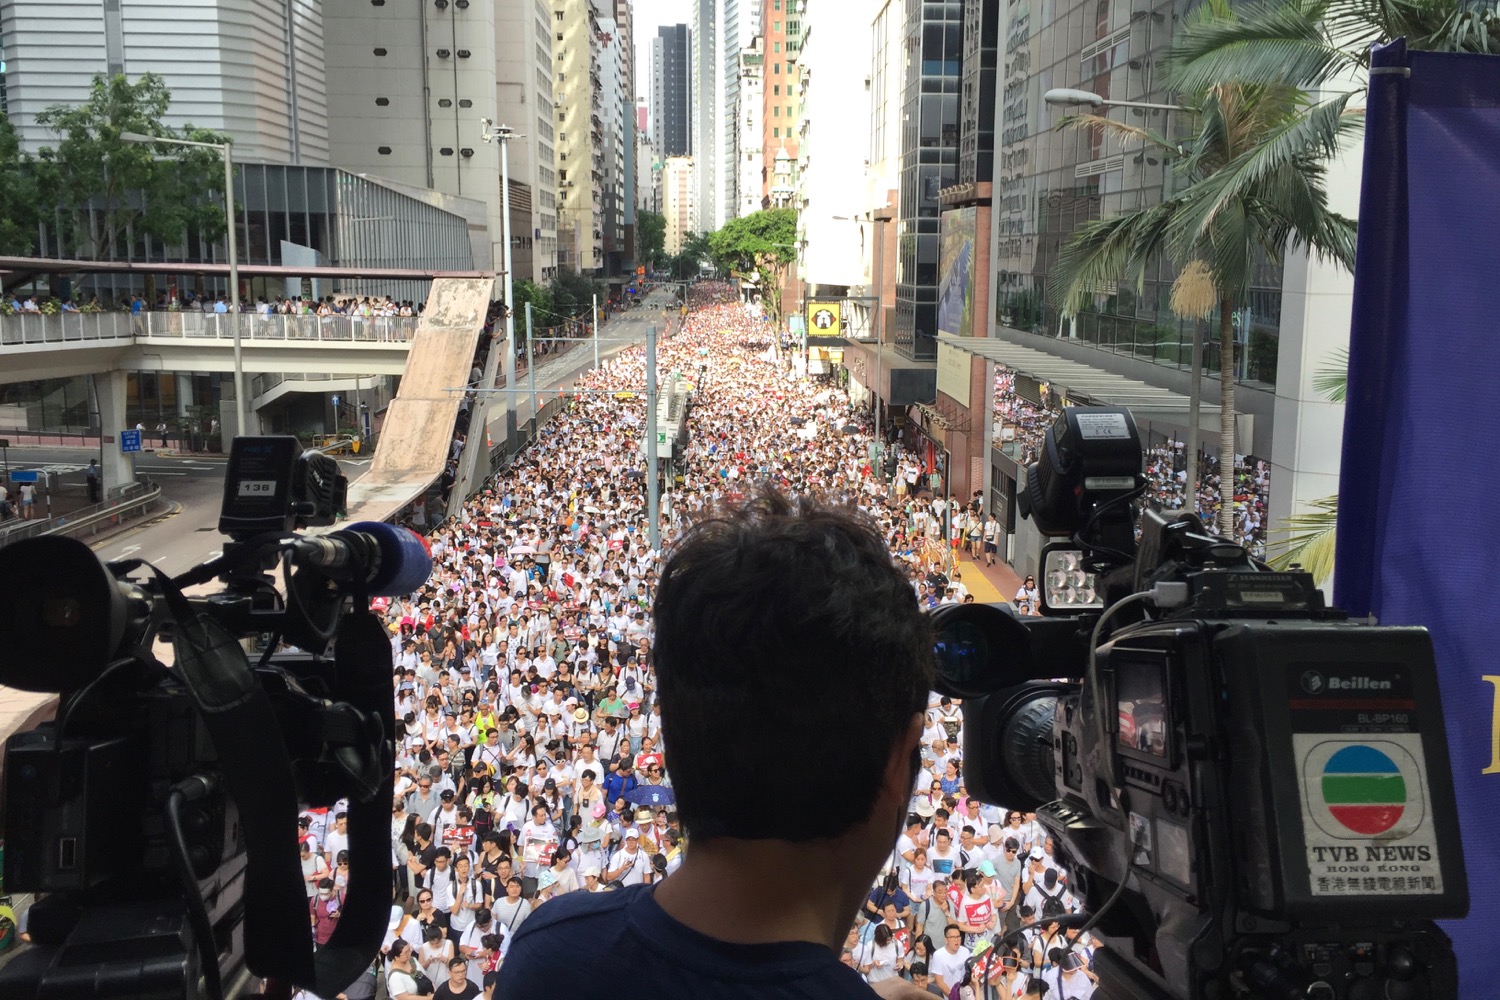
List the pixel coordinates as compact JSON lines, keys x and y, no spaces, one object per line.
{"x":1364,"y":790}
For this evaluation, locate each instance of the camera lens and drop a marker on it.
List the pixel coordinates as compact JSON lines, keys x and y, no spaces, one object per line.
{"x":962,"y":654}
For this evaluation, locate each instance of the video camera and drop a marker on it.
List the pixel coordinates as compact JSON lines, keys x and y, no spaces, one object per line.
{"x":1253,"y":793}
{"x":155,"y":817}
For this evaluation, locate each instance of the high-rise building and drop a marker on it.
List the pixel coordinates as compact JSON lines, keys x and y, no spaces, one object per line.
{"x":833,"y":121}
{"x":929,"y":163}
{"x":749,"y":104}
{"x":578,"y":98}
{"x":408,"y":87}
{"x":625,"y":37}
{"x":679,"y":188}
{"x":781,"y":37}
{"x":613,"y":117}
{"x":741,"y":26}
{"x":672,"y":90}
{"x":230,"y":67}
{"x":707,"y":111}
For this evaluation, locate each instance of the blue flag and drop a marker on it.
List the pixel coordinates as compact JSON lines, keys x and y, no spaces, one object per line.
{"x":1418,"y":539}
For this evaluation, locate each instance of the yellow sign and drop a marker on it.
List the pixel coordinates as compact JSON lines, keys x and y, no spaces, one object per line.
{"x":823,"y":319}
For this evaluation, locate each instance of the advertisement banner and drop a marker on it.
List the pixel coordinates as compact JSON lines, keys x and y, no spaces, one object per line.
{"x":956,"y":272}
{"x":1415,"y":424}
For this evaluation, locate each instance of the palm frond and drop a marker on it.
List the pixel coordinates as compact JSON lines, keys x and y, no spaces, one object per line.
{"x":1122,"y":130}
{"x":1261,"y":43}
{"x":1102,"y":252}
{"x":1315,"y":133}
{"x":1308,"y":539}
{"x":1331,"y":378}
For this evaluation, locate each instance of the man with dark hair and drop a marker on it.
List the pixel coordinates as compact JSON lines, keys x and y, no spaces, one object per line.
{"x":772,"y":596}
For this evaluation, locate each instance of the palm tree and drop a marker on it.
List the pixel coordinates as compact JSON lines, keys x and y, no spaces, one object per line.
{"x":1308,"y":43}
{"x":1253,"y":183}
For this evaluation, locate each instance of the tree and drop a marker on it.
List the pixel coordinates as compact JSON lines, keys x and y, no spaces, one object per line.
{"x":1253,"y":184}
{"x":763,"y":245}
{"x":651,"y":233}
{"x":109,"y":190}
{"x":1307,"y":43}
{"x":19,"y":199}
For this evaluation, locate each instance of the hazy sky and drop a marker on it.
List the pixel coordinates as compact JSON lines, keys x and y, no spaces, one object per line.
{"x":650,"y":15}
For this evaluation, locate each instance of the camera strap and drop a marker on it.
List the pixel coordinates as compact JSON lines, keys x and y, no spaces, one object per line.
{"x":239,"y":717}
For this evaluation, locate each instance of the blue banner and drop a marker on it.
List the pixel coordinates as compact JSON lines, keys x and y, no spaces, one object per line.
{"x":1415,"y":545}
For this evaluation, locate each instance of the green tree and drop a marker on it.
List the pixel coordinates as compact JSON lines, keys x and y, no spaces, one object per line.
{"x":651,"y":235}
{"x":763,"y":245}
{"x":110,"y":190}
{"x":539,"y":297}
{"x":19,"y":198}
{"x":1306,"y":43}
{"x":1252,"y":183}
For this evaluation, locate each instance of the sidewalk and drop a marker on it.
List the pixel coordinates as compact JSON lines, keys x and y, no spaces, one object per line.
{"x":988,"y":584}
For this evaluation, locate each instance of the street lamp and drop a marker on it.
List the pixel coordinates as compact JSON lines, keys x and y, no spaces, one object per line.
{"x":1069,"y":96}
{"x":226,"y":149}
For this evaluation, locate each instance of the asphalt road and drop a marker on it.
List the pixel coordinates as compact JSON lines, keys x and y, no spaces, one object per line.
{"x":182,"y":540}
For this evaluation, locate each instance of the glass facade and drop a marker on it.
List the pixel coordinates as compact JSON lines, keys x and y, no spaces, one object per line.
{"x":1048,"y":182}
{"x":929,"y":163}
{"x":349,"y":220}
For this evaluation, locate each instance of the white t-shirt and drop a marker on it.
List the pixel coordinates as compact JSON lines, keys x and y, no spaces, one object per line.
{"x":635,"y":865}
{"x":398,"y":982}
{"x":949,"y":965}
{"x":882,"y":961}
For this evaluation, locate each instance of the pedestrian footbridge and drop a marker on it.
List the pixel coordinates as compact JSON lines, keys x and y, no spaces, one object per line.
{"x":70,"y":344}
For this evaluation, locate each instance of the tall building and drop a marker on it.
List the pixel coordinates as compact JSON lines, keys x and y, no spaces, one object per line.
{"x":781,"y":36}
{"x":230,"y":67}
{"x":408,"y":85}
{"x":749,"y":103}
{"x":629,"y":114}
{"x":833,"y":123}
{"x":615,"y":122}
{"x":707,"y":110}
{"x":672,"y":90}
{"x":929,"y":163}
{"x":578,"y":99}
{"x":741,"y":26}
{"x":679,"y":188}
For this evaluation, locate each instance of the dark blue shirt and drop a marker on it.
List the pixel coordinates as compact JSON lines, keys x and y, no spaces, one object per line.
{"x":619,"y":945}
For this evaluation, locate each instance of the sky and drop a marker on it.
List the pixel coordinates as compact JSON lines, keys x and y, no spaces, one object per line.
{"x":650,"y":15}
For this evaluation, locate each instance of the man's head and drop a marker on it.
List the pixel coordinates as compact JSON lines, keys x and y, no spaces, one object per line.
{"x":777,"y":595}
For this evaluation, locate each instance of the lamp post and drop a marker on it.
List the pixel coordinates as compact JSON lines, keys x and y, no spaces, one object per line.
{"x":1067,"y":96}
{"x":225,"y":148}
{"x":503,"y":134}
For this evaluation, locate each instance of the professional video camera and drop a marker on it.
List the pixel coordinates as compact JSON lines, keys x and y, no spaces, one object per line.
{"x":156,"y":816}
{"x":1252,"y":793}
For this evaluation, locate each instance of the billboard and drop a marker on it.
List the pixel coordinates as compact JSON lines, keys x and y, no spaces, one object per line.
{"x":824,"y":319}
{"x":956,"y":272}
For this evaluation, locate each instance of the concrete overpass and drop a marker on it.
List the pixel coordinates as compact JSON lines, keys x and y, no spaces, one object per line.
{"x":71,"y":344}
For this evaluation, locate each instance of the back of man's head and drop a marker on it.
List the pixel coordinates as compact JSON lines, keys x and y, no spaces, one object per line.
{"x":767,"y":615}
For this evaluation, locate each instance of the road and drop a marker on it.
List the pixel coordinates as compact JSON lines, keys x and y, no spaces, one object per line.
{"x":182,"y":540}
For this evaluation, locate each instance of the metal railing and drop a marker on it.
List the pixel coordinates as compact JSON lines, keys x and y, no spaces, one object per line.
{"x":30,"y":328}
{"x":134,"y":502}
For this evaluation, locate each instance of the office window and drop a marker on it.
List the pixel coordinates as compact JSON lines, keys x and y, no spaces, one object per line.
{"x":776,"y":90}
{"x":380,"y":52}
{"x":778,"y":4}
{"x":465,"y":103}
{"x":383,"y":150}
{"x":775,"y":46}
{"x":775,"y":111}
{"x":777,"y":28}
{"x":776,"y":133}
{"x":382,"y":102}
{"x":446,"y":151}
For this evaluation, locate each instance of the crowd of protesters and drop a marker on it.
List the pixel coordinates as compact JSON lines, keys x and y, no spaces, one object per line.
{"x":530,"y":761}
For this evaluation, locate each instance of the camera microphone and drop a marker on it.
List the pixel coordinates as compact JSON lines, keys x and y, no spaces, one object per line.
{"x":389,"y":561}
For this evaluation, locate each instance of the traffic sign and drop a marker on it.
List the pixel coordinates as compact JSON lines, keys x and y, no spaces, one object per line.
{"x":24,"y":477}
{"x":130,"y":440}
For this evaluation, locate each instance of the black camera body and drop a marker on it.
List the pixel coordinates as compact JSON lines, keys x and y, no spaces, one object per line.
{"x":1253,"y":793}
{"x":155,"y":816}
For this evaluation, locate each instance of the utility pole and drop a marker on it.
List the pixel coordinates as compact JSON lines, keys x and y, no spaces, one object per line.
{"x":653,"y":491}
{"x":530,"y":369}
{"x":1195,"y":402}
{"x":596,"y":331}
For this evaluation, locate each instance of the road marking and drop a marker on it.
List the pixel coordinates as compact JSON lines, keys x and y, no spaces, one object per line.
{"x":163,"y":472}
{"x":129,"y":550}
